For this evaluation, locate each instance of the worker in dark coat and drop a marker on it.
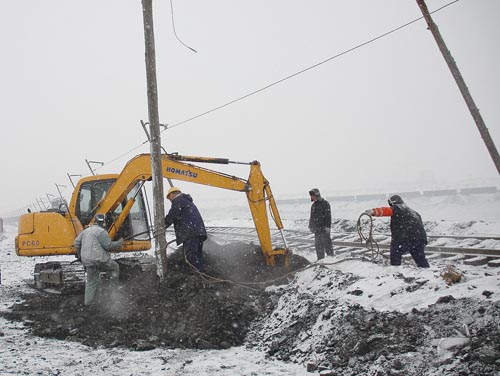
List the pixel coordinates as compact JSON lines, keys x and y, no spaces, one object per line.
{"x":407,"y":231}
{"x":188,"y":225}
{"x":320,"y":223}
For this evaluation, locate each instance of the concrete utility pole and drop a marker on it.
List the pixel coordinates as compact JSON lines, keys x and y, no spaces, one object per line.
{"x":485,"y":134}
{"x":154,"y":127}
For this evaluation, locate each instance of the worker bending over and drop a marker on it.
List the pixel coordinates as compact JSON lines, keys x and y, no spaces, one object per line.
{"x":407,"y":231}
{"x":188,"y":225}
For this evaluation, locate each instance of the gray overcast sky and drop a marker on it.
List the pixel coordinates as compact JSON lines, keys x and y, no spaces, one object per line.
{"x":387,"y":116}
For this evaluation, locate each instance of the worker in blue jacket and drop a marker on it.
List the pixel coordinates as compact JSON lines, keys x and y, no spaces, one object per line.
{"x":188,"y":225}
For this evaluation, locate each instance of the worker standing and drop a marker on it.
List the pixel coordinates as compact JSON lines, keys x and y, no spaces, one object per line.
{"x":407,"y":231}
{"x":188,"y":225}
{"x":92,"y":247}
{"x":320,"y":223}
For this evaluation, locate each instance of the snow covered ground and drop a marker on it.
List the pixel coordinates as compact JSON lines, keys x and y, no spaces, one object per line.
{"x":337,"y":284}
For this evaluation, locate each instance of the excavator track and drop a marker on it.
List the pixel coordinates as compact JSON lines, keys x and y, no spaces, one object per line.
{"x":61,"y":275}
{"x":67,"y":276}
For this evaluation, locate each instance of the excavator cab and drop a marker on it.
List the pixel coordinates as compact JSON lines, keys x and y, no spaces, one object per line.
{"x":48,"y":233}
{"x":135,"y":225}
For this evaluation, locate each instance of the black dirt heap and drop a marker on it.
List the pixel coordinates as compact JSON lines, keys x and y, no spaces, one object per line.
{"x":184,"y":311}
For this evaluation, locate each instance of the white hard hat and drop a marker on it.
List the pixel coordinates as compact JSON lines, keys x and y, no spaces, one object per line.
{"x":100,"y":219}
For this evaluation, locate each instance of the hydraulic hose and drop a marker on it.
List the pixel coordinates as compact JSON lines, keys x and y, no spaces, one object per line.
{"x":368,"y":240}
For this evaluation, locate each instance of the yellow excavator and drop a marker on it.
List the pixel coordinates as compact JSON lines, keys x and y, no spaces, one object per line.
{"x":120,"y":197}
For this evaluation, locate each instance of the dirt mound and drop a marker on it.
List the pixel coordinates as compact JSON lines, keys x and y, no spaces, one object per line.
{"x":186,"y":310}
{"x":450,"y":337}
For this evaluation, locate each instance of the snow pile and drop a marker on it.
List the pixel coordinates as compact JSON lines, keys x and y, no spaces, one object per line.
{"x":356,"y":317}
{"x":388,"y":288}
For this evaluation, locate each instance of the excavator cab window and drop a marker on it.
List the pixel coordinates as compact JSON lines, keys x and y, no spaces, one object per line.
{"x":135,"y":224}
{"x":90,"y":194}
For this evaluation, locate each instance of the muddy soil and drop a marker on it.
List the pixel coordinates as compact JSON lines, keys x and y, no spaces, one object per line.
{"x":186,"y":310}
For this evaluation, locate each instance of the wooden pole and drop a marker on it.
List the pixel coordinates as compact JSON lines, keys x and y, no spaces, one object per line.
{"x":155,"y":144}
{"x":481,"y":126}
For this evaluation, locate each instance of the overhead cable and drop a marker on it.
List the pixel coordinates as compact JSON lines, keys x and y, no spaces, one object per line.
{"x":304,"y":70}
{"x":282,"y":79}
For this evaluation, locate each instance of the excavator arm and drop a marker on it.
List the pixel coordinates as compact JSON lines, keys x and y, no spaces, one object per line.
{"x":176,"y":167}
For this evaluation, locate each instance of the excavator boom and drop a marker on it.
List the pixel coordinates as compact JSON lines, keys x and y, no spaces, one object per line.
{"x":116,"y":196}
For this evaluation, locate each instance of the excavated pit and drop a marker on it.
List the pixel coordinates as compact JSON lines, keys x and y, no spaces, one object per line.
{"x":186,"y":310}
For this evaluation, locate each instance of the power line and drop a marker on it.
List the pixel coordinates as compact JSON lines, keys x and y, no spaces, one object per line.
{"x":305,"y":69}
{"x":286,"y":78}
{"x":175,"y":31}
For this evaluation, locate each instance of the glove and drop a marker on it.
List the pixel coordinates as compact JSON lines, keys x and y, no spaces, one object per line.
{"x":120,"y":242}
{"x":368,"y":212}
